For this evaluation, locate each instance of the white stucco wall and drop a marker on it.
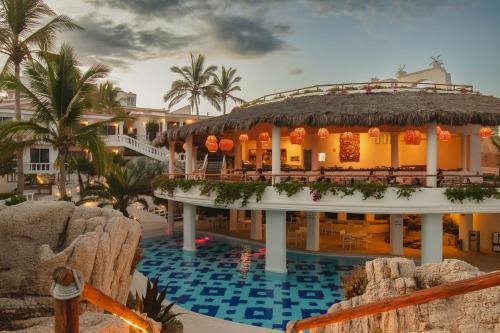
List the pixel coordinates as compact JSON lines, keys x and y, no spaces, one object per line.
{"x":487,"y":224}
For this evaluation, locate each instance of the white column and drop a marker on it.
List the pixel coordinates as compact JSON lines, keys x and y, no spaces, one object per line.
{"x":194,"y":164}
{"x":120,"y":127}
{"x":171,"y":158}
{"x":475,"y":151}
{"x":258,"y":158}
{"x":312,"y":231}
{"x":431,"y":151}
{"x":189,"y":227}
{"x":170,"y":218}
{"x":464,"y":226}
{"x":432,"y":238}
{"x":189,"y":156}
{"x":396,"y":234}
{"x":256,"y":226}
{"x":233,"y":220}
{"x":463,"y":151}
{"x":395,"y":150}
{"x":276,"y":153}
{"x":276,"y":241}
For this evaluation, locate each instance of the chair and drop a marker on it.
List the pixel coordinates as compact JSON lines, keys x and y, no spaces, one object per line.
{"x":346,"y":239}
{"x":300,"y":234}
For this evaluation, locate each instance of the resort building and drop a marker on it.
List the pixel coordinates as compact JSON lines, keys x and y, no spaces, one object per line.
{"x":130,"y":138}
{"x":375,"y":168}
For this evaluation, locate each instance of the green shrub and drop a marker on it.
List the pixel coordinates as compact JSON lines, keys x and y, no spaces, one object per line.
{"x":354,"y":284}
{"x":290,"y":188}
{"x":6,"y":195}
{"x":15,"y":199}
{"x":474,"y":192}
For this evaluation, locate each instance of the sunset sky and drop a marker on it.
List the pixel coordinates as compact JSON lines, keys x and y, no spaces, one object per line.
{"x":283,"y":44}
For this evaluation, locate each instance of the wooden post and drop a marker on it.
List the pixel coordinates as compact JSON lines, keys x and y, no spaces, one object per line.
{"x":66,"y":312}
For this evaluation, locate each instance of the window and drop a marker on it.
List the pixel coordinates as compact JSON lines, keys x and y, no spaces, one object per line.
{"x":108,"y":130}
{"x":4,"y":119}
{"x":39,"y":155}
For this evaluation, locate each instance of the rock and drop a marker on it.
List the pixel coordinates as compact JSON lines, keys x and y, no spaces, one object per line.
{"x":472,"y":312}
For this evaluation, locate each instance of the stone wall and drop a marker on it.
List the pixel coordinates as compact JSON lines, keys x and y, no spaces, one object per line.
{"x":387,"y":277}
{"x":37,"y":237}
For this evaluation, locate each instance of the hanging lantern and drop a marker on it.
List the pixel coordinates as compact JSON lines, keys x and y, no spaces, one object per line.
{"x":374,"y":132}
{"x":438,"y":130}
{"x":212,"y":146}
{"x":296,"y":138}
{"x":346,"y":136}
{"x":485,"y":132}
{"x":211,"y":139}
{"x":444,"y":136}
{"x":236,"y":109}
{"x":300,"y":131}
{"x":413,"y":137}
{"x":243,"y":138}
{"x":226,"y":144}
{"x":184,"y":146}
{"x":323,"y":133}
{"x":264,"y":137}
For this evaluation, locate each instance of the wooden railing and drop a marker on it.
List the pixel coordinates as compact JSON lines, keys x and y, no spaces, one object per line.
{"x":418,"y":297}
{"x":66,"y":311}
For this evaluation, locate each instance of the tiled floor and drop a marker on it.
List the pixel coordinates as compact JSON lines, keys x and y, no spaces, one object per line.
{"x":227,"y":280}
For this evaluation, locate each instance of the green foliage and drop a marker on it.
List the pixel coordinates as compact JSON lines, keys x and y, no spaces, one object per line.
{"x":6,"y":195}
{"x":371,"y":190}
{"x":186,"y":184}
{"x":290,"y":188}
{"x":15,"y":199}
{"x":449,"y":225}
{"x":474,"y":192}
{"x":152,"y":128}
{"x":406,"y":191}
{"x":354,"y":284}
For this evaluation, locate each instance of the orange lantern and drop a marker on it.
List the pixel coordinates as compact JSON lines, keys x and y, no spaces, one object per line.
{"x":438,"y":130}
{"x":444,"y":135}
{"x":374,"y":132}
{"x":346,"y":136}
{"x":236,"y":109}
{"x":184,"y":146}
{"x":296,"y":138}
{"x":300,"y":131}
{"x":485,"y":132}
{"x":243,"y":138}
{"x":323,"y":133}
{"x":212,"y":146}
{"x":264,"y":137}
{"x":226,"y":144}
{"x":211,"y":139}
{"x":413,"y":137}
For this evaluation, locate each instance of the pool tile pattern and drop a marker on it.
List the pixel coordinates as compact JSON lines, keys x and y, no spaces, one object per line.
{"x":226,"y":279}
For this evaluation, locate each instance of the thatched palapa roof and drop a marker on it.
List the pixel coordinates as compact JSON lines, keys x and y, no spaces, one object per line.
{"x":374,"y":109}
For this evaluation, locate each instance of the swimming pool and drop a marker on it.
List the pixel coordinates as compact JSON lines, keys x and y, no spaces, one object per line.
{"x":226,"y":279}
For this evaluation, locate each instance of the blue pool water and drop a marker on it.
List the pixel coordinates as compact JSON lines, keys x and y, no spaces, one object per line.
{"x":226,"y":279}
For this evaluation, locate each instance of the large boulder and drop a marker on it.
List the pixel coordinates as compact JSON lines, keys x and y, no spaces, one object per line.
{"x":37,"y":237}
{"x":388,"y":277}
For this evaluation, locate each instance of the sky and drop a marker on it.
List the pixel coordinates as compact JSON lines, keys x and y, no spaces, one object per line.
{"x":284,"y":44}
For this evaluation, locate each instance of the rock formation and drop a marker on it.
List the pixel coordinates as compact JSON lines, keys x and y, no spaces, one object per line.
{"x":388,"y":277}
{"x":37,"y":237}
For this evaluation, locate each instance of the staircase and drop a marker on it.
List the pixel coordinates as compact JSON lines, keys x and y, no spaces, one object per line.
{"x":214,"y":166}
{"x":159,"y":154}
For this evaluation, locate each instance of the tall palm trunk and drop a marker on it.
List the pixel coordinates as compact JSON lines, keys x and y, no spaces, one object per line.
{"x":20,"y":151}
{"x":196,"y":108}
{"x":62,"y":175}
{"x":224,"y":106}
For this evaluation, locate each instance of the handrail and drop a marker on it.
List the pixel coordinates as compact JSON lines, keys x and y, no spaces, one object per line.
{"x":66,"y":309}
{"x":137,"y":145}
{"x":418,"y":297}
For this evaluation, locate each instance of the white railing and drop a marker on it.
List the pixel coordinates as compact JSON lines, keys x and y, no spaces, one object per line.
{"x":39,"y":168}
{"x":126,"y":141}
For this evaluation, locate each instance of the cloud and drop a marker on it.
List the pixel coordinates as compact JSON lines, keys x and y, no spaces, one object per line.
{"x":296,"y":71}
{"x":244,"y":36}
{"x":118,"y":43}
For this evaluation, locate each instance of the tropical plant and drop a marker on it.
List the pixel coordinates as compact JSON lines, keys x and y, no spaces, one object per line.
{"x":124,"y":185}
{"x":15,"y":199}
{"x":225,"y":85}
{"x":354,"y":284}
{"x":152,"y":305}
{"x":23,"y":30}
{"x":152,"y":128}
{"x":474,"y":192}
{"x":59,"y":92}
{"x":105,"y":98}
{"x":195,"y":83}
{"x":290,"y":188}
{"x":82,"y":166}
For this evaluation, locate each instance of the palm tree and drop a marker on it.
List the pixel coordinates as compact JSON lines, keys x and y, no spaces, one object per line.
{"x":195,"y":82}
{"x":82,"y":166}
{"x":225,"y":86}
{"x":21,"y":32}
{"x":106,"y":98}
{"x":123,"y":185}
{"x":59,"y":93}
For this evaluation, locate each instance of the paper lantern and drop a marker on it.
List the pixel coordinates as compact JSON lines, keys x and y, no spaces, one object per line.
{"x":323,"y":133}
{"x":264,"y":137}
{"x":212,"y":146}
{"x":300,"y":131}
{"x":444,"y":135}
{"x":347,"y":136}
{"x":211,"y":139}
{"x":296,"y":138}
{"x":184,"y":146}
{"x":374,"y":132}
{"x":413,"y":137}
{"x":438,"y":130}
{"x":226,"y":144}
{"x":236,"y":109}
{"x":243,"y":138}
{"x":485,"y":132}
